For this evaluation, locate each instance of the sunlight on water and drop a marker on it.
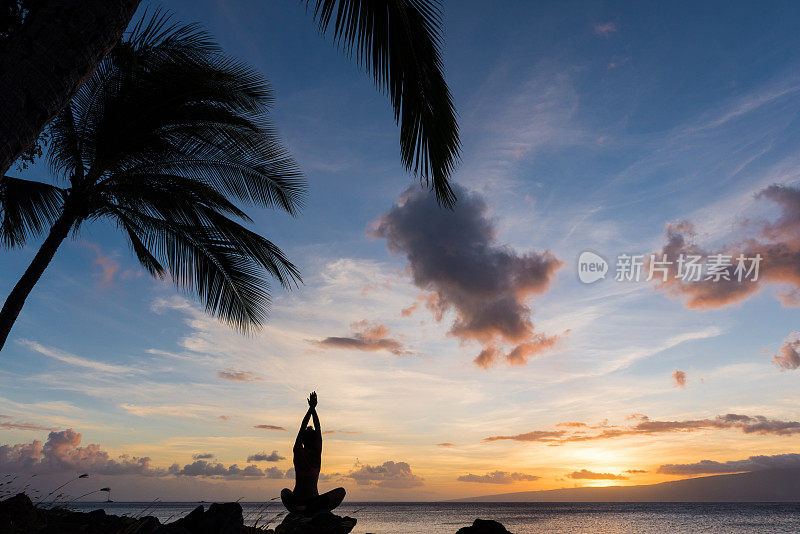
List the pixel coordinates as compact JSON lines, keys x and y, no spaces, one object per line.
{"x":524,"y":518}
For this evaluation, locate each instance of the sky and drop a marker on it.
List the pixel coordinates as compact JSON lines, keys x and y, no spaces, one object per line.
{"x":458,"y":353}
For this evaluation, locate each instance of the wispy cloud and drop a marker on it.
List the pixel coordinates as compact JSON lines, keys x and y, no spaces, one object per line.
{"x":605,"y":29}
{"x":591,"y":475}
{"x":238,"y":376}
{"x":72,"y":359}
{"x":756,"y":424}
{"x":498,"y":477}
{"x":269,"y":427}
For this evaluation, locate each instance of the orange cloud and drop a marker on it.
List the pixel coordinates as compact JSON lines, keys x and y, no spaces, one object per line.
{"x":498,"y":477}
{"x":777,"y":243}
{"x":366,"y":337}
{"x":591,"y":475}
{"x":680,"y":378}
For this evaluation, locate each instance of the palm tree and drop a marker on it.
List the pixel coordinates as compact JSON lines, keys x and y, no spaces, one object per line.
{"x":61,"y":42}
{"x":163,"y":141}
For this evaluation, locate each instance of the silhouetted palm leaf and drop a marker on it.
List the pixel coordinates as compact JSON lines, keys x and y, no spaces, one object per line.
{"x":164,"y":140}
{"x":27,"y":209}
{"x":398,"y":42}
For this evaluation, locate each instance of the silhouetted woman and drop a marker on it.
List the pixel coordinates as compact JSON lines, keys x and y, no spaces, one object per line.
{"x":307,"y":460}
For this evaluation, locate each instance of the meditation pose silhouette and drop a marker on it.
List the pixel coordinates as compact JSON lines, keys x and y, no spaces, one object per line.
{"x":305,"y":498}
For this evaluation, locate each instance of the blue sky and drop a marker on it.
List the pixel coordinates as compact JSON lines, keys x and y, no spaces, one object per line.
{"x":584,"y":126}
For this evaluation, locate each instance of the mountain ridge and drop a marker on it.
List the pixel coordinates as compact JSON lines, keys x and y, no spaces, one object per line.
{"x":769,"y":485}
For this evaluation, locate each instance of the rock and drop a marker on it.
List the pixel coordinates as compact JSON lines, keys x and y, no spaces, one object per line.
{"x":322,"y":523}
{"x":484,"y":526}
{"x":15,"y":511}
{"x":218,"y":519}
{"x":18,"y":515}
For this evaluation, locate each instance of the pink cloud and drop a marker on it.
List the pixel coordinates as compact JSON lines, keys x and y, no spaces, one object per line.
{"x":238,"y":376}
{"x":788,"y":356}
{"x":605,"y":29}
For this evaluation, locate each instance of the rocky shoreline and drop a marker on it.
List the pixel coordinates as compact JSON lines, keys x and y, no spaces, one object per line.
{"x":18,"y":515}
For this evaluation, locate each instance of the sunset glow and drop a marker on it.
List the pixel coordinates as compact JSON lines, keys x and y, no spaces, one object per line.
{"x":456,"y":353}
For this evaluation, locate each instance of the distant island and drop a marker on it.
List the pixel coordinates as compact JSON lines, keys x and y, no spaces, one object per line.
{"x":773,"y":485}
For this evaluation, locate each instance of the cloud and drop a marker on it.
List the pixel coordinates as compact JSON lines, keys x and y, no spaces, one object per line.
{"x":62,"y":452}
{"x":108,"y":266}
{"x":238,"y":376}
{"x":680,"y":378}
{"x":454,"y":257}
{"x":788,"y":356}
{"x":445,"y":444}
{"x":573,"y":424}
{"x":366,"y":337}
{"x":390,"y":474}
{"x":614,"y":65}
{"x":756,"y":424}
{"x":269,"y":427}
{"x":204,"y":468}
{"x":753,"y":463}
{"x":341,"y":432}
{"x":264,"y":457}
{"x":777,"y":243}
{"x":591,"y":475}
{"x":406,"y":312}
{"x":498,"y":477}
{"x":536,"y":435}
{"x":72,"y":359}
{"x":605,"y":29}
{"x":20,"y":425}
{"x":636,"y":471}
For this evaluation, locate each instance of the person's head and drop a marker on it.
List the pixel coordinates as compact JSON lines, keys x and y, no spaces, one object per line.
{"x":309,"y":436}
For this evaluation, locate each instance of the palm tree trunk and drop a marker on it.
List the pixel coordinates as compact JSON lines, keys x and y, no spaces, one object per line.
{"x":16,"y":299}
{"x":42,"y":64}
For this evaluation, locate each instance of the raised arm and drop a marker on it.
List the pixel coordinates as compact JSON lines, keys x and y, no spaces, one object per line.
{"x":298,"y":441}
{"x":312,"y":403}
{"x":316,"y":422}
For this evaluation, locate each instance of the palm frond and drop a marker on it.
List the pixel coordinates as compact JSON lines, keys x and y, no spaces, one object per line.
{"x":398,"y":42}
{"x":222,"y":262}
{"x":181,"y":114}
{"x":168,"y":139}
{"x":27,"y":209}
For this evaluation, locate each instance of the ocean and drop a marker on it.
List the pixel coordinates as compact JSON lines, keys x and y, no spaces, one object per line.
{"x":521,"y":518}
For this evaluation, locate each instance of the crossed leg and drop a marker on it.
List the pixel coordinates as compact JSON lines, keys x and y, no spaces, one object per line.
{"x":327,"y":501}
